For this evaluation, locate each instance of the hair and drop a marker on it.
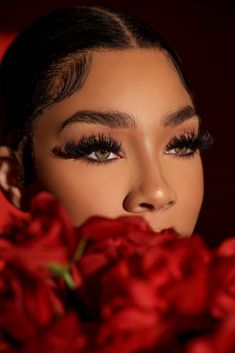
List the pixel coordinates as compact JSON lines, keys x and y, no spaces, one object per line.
{"x":50,"y":61}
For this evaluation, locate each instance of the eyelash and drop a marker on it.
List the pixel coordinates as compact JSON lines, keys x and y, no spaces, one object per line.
{"x":81,"y":149}
{"x":87,"y":145}
{"x":192,"y":142}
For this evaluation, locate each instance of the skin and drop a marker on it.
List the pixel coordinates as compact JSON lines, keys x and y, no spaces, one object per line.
{"x":144,"y":180}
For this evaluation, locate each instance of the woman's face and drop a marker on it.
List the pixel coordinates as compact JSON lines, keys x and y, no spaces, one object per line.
{"x":124,"y":144}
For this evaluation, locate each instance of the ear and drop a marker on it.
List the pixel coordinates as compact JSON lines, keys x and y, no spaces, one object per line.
{"x":10,"y":175}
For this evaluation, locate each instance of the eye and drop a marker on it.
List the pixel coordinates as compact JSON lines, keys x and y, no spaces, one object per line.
{"x":102,"y":155}
{"x":91,"y":149}
{"x":181,"y":151}
{"x":187,"y":145}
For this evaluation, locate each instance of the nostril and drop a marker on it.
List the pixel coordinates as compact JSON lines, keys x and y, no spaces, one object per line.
{"x":168,"y":205}
{"x":147,"y":205}
{"x":151,"y":207}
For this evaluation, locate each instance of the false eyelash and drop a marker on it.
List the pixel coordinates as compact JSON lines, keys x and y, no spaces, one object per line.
{"x":87,"y":145}
{"x":201,"y":141}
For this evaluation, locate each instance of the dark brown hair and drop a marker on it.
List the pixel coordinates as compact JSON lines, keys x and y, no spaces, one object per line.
{"x":50,"y":60}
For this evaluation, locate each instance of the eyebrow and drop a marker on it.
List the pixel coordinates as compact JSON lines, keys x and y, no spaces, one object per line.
{"x":119,"y":119}
{"x":180,"y":116}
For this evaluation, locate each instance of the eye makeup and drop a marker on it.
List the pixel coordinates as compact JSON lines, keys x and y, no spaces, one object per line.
{"x":88,"y":145}
{"x":93,"y":148}
{"x":185,"y":145}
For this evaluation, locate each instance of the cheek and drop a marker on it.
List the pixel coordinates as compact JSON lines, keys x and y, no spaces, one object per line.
{"x":190,"y":188}
{"x":84,"y":190}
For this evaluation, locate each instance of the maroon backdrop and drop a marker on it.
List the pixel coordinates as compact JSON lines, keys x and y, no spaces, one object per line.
{"x":203,"y":34}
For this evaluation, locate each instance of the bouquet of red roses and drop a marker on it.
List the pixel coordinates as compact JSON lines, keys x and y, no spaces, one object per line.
{"x":111,"y":286}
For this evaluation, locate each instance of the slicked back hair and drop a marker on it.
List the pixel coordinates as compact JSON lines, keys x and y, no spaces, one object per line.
{"x":50,"y":61}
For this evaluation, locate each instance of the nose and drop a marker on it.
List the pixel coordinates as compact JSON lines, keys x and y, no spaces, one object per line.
{"x":151,"y":192}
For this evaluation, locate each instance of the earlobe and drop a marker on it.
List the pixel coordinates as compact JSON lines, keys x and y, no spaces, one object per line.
{"x":10,"y":173}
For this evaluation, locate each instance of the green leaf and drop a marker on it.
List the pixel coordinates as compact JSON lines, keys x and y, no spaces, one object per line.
{"x":80,"y":249}
{"x":61,"y":271}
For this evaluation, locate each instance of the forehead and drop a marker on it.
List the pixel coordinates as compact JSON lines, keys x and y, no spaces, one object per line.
{"x":132,"y":76}
{"x":140,"y":82}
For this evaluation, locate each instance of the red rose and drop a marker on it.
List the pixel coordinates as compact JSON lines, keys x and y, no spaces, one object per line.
{"x":129,"y":321}
{"x":131,"y":230}
{"x":135,"y":281}
{"x":222,"y":282}
{"x":27,"y":301}
{"x":226,"y":248}
{"x":222,"y":340}
{"x":121,"y":238}
{"x":34,"y":266}
{"x":179,"y":270}
{"x":116,"y":284}
{"x":112,"y":239}
{"x":49,"y":234}
{"x":138,"y":294}
{"x":47,"y":241}
{"x":66,"y":335}
{"x":171,"y":276}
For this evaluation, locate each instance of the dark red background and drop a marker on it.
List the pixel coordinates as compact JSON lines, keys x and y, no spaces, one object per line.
{"x":202,"y":32}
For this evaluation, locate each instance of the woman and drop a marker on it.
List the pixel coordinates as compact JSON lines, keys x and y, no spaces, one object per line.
{"x":98,"y":112}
